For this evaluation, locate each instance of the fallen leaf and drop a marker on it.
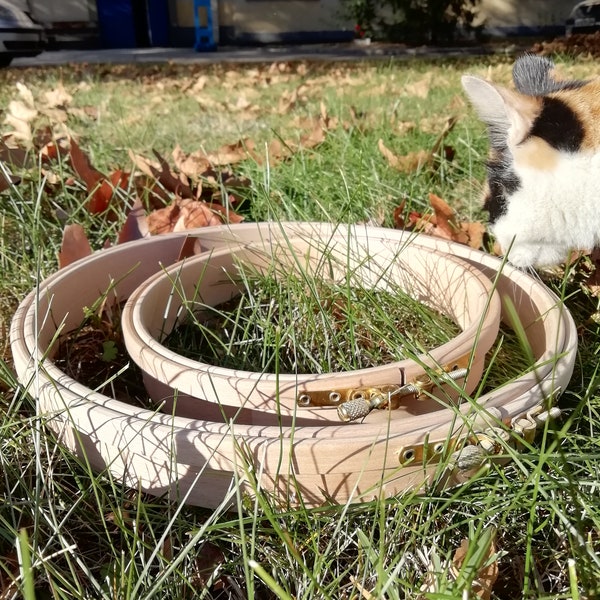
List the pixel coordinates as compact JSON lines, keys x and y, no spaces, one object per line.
{"x":26,"y":94}
{"x":193,"y":165}
{"x":475,"y":232}
{"x":445,"y":217}
{"x":21,"y":129}
{"x":189,"y":214}
{"x":487,"y":572}
{"x":230,"y":154}
{"x":100,"y":188}
{"x":414,"y":161}
{"x":84,"y":113}
{"x":207,"y":564}
{"x":135,"y":226}
{"x":399,"y":220}
{"x":420,"y":88}
{"x":14,"y":156}
{"x":161,"y":172}
{"x":441,"y":223}
{"x":58,"y":97}
{"x":21,"y":111}
{"x":75,"y":245}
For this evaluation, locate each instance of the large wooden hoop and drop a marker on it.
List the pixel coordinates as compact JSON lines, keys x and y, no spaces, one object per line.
{"x":198,"y":461}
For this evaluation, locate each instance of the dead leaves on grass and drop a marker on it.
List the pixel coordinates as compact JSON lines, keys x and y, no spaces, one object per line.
{"x":473,"y":569}
{"x":420,"y":159}
{"x":441,"y":222}
{"x":199,"y":189}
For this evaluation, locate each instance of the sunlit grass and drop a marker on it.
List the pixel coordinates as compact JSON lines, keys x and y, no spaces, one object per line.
{"x":89,"y":536}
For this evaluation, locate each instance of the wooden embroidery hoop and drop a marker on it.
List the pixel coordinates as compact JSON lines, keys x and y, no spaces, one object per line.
{"x":203,"y":462}
{"x":267,"y":398}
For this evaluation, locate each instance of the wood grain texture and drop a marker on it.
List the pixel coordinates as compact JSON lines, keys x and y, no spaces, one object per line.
{"x":205,"y":462}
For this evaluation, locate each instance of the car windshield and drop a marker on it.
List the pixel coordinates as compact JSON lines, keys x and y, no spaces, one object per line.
{"x":587,"y":11}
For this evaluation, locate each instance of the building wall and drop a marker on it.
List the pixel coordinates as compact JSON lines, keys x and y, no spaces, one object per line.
{"x":522,"y":16}
{"x":265,"y":21}
{"x":268,"y":21}
{"x":321,"y":20}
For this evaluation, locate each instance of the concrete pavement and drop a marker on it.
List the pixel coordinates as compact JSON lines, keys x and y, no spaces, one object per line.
{"x":325,"y":52}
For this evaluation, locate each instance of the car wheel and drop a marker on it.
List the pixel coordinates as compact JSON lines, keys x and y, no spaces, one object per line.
{"x":5,"y":60}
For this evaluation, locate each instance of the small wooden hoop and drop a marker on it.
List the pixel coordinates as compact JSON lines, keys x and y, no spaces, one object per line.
{"x":154,"y":308}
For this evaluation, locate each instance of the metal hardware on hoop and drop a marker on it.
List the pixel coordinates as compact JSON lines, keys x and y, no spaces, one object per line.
{"x":357,"y":403}
{"x":367,"y":399}
{"x":364,"y":400}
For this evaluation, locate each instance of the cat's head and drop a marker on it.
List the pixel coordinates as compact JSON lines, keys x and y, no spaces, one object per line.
{"x":543,"y":185}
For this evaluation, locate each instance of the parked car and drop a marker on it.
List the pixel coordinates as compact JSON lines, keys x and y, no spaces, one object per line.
{"x":584,"y":18}
{"x":19,"y":35}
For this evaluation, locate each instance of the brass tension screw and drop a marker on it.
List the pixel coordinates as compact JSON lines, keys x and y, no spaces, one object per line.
{"x":360,"y":407}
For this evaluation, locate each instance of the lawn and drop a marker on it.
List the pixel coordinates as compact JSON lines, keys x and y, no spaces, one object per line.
{"x":329,"y":142}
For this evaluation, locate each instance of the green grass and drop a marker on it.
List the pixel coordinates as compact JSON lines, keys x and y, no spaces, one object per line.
{"x":306,"y":323}
{"x":87,"y":535}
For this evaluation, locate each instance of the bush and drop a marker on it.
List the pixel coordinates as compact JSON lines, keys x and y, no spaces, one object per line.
{"x":414,"y":21}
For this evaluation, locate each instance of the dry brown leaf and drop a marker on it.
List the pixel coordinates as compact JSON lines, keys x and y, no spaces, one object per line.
{"x":241,"y":104}
{"x":56,"y":115}
{"x":314,"y":137}
{"x":413,"y":161}
{"x":475,"y":232}
{"x":75,"y":245}
{"x":145,"y":165}
{"x":181,"y":215}
{"x":193,"y":165}
{"x":84,"y":112}
{"x":26,"y":94}
{"x":486,"y":575}
{"x":404,"y":127}
{"x":20,"y":131}
{"x":407,"y":163}
{"x":442,"y":223}
{"x":21,"y":111}
{"x":100,"y":187}
{"x":136,"y":224}
{"x":206,"y":565}
{"x":161,"y":172}
{"x":230,"y":154}
{"x":420,"y":88}
{"x":199,"y":84}
{"x":445,"y":217}
{"x":58,"y":97}
{"x":14,"y":156}
{"x":195,"y":213}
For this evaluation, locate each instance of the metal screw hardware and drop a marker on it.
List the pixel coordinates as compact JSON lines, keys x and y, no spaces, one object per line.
{"x":359,"y":408}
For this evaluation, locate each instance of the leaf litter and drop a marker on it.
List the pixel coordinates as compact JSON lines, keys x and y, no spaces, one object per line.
{"x":200,"y":188}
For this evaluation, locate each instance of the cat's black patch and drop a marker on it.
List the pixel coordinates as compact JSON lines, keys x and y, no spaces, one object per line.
{"x":558,"y":125}
{"x":502,"y":182}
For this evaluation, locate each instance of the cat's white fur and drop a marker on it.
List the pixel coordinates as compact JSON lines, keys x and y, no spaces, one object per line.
{"x":553,"y":213}
{"x":555,"y":210}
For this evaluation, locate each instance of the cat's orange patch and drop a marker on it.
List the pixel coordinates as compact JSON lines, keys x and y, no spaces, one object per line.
{"x":536,"y":154}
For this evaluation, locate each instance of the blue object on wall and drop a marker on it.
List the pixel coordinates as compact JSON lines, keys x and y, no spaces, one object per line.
{"x":116,"y":23}
{"x":203,"y":23}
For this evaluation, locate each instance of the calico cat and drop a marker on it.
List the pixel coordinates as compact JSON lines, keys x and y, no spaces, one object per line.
{"x":543,"y":184}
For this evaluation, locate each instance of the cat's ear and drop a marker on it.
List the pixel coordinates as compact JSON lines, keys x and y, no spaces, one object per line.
{"x":507,"y":114}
